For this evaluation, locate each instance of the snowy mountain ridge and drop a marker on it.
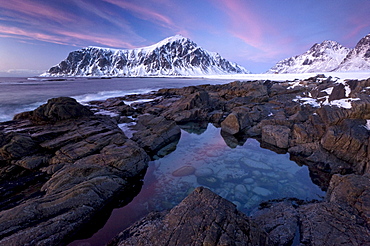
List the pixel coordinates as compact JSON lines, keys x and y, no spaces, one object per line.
{"x":327,"y":57}
{"x":173,"y":56}
{"x":358,"y":58}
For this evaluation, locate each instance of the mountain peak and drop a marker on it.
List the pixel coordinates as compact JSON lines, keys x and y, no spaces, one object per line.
{"x":323,"y":57}
{"x":173,"y":56}
{"x":359,"y":57}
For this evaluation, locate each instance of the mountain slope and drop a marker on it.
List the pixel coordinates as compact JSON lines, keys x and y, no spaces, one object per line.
{"x":173,"y":56}
{"x":322,"y":57}
{"x":359,"y":57}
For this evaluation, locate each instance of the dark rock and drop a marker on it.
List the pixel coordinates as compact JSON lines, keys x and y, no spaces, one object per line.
{"x":203,"y":218}
{"x":276,"y":135}
{"x":352,"y":191}
{"x":57,"y":109}
{"x":338,"y":92}
{"x":154,"y":133}
{"x":330,"y":224}
{"x":280,"y":221}
{"x":74,"y":165}
{"x":349,"y":142}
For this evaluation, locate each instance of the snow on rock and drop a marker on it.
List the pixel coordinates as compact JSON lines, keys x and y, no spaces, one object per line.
{"x":358,"y":58}
{"x":323,"y":57}
{"x":327,"y":56}
{"x":367,"y":126}
{"x":173,"y":56}
{"x":341,"y":102}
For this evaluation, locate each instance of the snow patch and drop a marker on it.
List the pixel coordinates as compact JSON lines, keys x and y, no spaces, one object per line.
{"x":367,"y":126}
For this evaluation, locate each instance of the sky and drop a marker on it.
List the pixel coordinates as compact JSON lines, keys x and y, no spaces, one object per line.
{"x":37,"y":34}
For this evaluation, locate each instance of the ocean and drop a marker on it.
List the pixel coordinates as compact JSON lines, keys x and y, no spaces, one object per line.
{"x":25,"y":94}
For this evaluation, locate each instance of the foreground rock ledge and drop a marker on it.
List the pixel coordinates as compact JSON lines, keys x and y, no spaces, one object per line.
{"x":203,"y":218}
{"x":60,"y":166}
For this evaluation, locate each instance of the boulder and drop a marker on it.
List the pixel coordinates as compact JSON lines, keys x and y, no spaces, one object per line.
{"x":349,"y":141}
{"x":237,"y":121}
{"x":56,"y":109}
{"x":155,"y":132}
{"x":352,"y":191}
{"x":202,"y":218}
{"x":276,"y":135}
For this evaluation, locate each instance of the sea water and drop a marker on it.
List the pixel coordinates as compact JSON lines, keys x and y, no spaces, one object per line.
{"x":25,"y":94}
{"x":245,"y":174}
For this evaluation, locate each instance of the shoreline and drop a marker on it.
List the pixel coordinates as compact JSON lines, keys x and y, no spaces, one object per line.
{"x":257,"y":109}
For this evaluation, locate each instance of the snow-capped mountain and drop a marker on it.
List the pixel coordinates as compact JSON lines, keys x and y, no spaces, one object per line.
{"x":358,"y":58}
{"x":322,"y":57}
{"x":173,"y":56}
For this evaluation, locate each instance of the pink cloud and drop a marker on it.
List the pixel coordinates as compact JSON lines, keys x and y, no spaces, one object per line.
{"x":143,"y":13}
{"x":37,"y":10}
{"x":244,"y":24}
{"x":103,"y":40}
{"x":63,"y":37}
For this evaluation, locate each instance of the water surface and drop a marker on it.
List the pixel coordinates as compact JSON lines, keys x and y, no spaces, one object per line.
{"x":25,"y":94}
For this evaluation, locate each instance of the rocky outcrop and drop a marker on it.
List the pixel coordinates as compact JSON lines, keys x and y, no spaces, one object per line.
{"x":342,"y":219}
{"x":69,"y":164}
{"x":203,"y":218}
{"x":155,"y":132}
{"x":63,"y":163}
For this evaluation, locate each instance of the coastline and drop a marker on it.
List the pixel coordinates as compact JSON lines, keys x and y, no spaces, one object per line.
{"x":261,"y":109}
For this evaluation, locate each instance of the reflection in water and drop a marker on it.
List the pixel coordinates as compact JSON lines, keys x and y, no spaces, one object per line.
{"x":245,"y":175}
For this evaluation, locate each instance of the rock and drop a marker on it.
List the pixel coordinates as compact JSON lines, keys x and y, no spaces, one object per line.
{"x":338,"y":92}
{"x":261,"y":191}
{"x":280,"y":221}
{"x":353,"y":191}
{"x":203,"y":172}
{"x":191,"y":107}
{"x":155,"y":132}
{"x":75,"y":163}
{"x":330,"y":224}
{"x":57,"y":109}
{"x":349,"y":141}
{"x":202,"y":218}
{"x":209,"y":181}
{"x":184,"y":171}
{"x":276,"y":135}
{"x":236,"y":121}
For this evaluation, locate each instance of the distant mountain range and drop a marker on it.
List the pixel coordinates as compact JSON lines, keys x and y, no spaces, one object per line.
{"x":327,"y":57}
{"x":174,"y":56}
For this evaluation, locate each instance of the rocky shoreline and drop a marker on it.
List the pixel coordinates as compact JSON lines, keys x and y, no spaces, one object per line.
{"x":61,"y":164}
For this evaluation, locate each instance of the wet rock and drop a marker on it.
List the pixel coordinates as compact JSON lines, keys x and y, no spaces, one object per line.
{"x":209,"y":181}
{"x":261,"y":191}
{"x":155,"y":132}
{"x":203,"y":218}
{"x":57,"y":109}
{"x":184,"y":171}
{"x":70,"y":165}
{"x":203,"y":172}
